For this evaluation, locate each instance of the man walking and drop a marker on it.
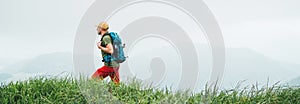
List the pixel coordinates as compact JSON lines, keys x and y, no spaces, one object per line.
{"x":111,"y":67}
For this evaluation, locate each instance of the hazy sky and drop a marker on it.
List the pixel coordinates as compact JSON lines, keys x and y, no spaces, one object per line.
{"x":271,"y":27}
{"x":32,"y":27}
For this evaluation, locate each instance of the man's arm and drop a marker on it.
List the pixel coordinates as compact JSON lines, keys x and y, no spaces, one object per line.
{"x":107,"y":49}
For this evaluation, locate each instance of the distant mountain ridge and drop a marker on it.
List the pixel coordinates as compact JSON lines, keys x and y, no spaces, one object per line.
{"x":247,"y":64}
{"x":241,"y":64}
{"x":52,"y":63}
{"x":294,"y":82}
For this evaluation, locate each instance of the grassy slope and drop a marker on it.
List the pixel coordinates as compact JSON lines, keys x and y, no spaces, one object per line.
{"x":52,"y":90}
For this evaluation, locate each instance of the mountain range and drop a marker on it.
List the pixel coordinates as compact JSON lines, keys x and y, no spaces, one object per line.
{"x":241,"y":64}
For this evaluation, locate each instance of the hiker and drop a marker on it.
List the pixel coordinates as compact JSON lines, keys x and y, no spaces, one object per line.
{"x":112,"y":54}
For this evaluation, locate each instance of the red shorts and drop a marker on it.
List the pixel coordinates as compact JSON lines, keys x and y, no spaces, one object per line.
{"x":105,"y":71}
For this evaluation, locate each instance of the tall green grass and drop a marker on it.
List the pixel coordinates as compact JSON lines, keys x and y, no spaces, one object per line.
{"x":57,"y":90}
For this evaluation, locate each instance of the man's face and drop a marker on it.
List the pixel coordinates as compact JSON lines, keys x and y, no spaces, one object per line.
{"x":99,"y":30}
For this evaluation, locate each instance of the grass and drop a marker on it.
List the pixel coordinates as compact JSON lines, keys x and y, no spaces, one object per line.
{"x":67,"y":90}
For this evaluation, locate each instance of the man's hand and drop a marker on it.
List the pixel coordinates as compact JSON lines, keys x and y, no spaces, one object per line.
{"x":107,"y":49}
{"x":99,"y":45}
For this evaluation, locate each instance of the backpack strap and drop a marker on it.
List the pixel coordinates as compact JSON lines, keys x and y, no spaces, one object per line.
{"x":104,"y":36}
{"x":109,"y":57}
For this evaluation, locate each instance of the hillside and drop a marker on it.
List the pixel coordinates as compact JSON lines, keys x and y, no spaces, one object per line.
{"x":53,"y":90}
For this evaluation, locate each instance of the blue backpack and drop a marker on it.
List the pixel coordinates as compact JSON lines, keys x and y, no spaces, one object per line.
{"x":118,"y":54}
